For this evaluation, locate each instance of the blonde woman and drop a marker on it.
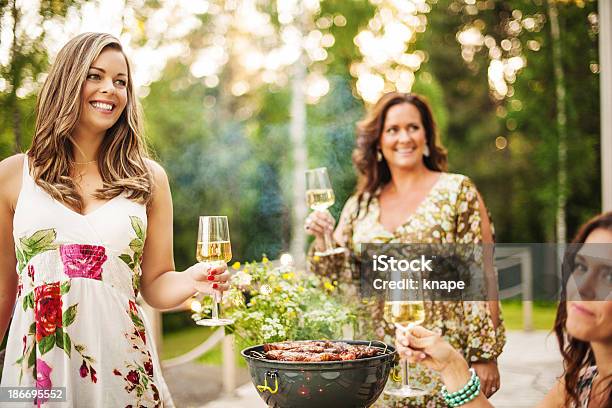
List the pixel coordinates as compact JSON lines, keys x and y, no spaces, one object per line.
{"x":86,"y":220}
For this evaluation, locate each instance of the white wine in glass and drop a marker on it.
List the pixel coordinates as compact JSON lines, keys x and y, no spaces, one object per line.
{"x":214,"y":246}
{"x":320,"y":196}
{"x":214,"y":251}
{"x":404,"y":314}
{"x":320,"y":199}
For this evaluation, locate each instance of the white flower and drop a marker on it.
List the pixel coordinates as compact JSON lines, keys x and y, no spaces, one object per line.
{"x":242,"y":279}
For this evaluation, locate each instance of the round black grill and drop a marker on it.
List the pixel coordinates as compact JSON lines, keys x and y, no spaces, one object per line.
{"x":333,"y":384}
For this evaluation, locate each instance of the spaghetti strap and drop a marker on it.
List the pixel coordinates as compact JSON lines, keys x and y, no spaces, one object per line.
{"x":25,"y":177}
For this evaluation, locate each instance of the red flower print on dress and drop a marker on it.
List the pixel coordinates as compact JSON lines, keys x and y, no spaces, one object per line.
{"x":43,"y":379}
{"x":148,"y":365}
{"x":92,"y":373}
{"x":133,"y":377}
{"x":47,"y":309}
{"x":83,"y":261}
{"x":31,"y":271}
{"x":132,"y":306}
{"x":83,"y":371}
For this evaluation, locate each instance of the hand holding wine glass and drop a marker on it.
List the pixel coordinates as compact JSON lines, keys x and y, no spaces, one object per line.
{"x":320,"y":196}
{"x":209,"y":277}
{"x":420,"y":345}
{"x":404,"y":314}
{"x":214,"y":250}
{"x":318,"y":224}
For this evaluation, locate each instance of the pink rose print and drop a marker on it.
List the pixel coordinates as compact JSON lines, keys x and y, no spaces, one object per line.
{"x":83,"y":261}
{"x":47,"y":309}
{"x":43,"y":380}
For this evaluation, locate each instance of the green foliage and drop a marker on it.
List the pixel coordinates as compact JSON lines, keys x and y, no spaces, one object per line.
{"x":519,"y":183}
{"x":231,"y":155}
{"x":28,"y":59}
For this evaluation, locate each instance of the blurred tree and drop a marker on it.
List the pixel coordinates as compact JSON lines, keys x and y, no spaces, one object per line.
{"x":514,"y":148}
{"x":27,"y":59}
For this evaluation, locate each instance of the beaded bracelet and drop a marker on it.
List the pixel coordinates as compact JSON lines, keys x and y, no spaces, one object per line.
{"x":465,"y":394}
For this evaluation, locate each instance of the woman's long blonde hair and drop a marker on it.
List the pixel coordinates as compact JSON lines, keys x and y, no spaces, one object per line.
{"x":122,"y":154}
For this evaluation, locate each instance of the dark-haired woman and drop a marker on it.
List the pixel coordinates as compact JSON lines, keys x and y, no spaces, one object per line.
{"x":583,"y":327}
{"x":405,"y":195}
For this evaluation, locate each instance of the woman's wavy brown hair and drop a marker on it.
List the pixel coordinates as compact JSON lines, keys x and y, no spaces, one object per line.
{"x":373,"y":173}
{"x":122,"y":154}
{"x":577,"y":354}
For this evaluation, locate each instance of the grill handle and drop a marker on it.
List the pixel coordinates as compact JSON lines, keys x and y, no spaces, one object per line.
{"x":266,"y":387}
{"x":395,"y":377}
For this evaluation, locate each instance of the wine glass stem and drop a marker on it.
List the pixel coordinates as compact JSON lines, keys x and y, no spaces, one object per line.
{"x":215,"y":311}
{"x":328,"y":241}
{"x":405,"y":372}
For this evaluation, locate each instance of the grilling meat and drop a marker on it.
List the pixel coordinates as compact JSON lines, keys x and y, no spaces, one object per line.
{"x":314,"y":351}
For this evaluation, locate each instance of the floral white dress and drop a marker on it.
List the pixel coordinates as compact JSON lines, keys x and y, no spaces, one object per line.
{"x":76,"y":323}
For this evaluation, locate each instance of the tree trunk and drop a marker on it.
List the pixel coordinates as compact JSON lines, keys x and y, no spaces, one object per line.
{"x":561,"y":120}
{"x":298,"y":141}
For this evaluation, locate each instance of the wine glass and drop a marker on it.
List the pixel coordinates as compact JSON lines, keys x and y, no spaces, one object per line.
{"x":320,"y":196}
{"x":404,"y":313}
{"x":214,"y":246}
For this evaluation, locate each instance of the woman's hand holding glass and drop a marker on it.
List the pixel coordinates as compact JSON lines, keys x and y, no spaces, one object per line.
{"x":209,"y":277}
{"x":419,"y":345}
{"x":213,"y":251}
{"x":318,"y":224}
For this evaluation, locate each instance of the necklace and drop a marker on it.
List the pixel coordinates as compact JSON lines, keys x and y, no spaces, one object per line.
{"x":89,"y":162}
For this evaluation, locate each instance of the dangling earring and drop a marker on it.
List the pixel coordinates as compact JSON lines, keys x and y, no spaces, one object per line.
{"x":426,"y":151}
{"x":379,"y":155}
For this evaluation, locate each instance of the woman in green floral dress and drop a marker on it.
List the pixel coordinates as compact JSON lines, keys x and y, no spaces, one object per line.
{"x":405,"y":195}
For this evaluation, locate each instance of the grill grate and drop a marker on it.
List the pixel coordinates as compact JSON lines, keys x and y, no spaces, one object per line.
{"x":382,"y":351}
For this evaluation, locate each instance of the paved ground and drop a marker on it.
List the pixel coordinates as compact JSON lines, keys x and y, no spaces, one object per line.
{"x":529,"y":365}
{"x":192,"y":384}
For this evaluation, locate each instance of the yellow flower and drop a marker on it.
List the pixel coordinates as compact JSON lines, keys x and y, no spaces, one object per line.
{"x":316,"y":258}
{"x":300,"y":288}
{"x":329,"y":286}
{"x":236,"y":266}
{"x":264,"y":260}
{"x":287,"y":275}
